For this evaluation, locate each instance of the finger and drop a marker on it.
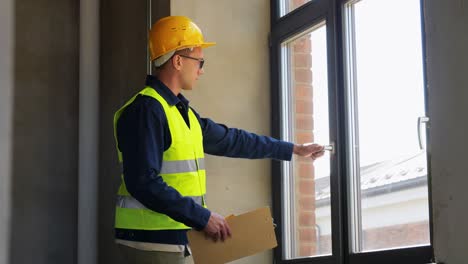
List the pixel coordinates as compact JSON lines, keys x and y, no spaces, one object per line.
{"x":223,"y":233}
{"x":319,"y":154}
{"x":212,"y":236}
{"x":315,"y":149}
{"x":228,"y":229}
{"x":215,"y":236}
{"x":319,"y":148}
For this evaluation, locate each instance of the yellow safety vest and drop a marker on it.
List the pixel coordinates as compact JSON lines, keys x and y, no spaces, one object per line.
{"x":183,"y":168}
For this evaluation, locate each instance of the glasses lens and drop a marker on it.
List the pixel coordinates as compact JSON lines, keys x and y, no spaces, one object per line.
{"x":201,"y":61}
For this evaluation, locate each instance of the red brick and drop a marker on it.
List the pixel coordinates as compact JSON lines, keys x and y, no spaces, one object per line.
{"x":298,"y":3}
{"x":302,"y":137}
{"x":302,"y":45}
{"x":304,"y":92}
{"x":302,"y":60}
{"x":307,"y":249}
{"x":305,"y":123}
{"x":306,"y":170}
{"x":303,"y":76}
{"x":396,"y":236}
{"x":303,"y":159}
{"x":307,"y":187}
{"x":307,"y":234}
{"x":307,"y":219}
{"x":304,"y":107}
{"x":307,"y":203}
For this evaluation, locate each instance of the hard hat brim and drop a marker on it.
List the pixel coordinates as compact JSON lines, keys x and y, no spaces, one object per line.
{"x":207,"y":44}
{"x":202,"y":45}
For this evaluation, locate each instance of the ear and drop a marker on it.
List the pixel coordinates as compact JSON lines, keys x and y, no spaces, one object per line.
{"x":176,"y":62}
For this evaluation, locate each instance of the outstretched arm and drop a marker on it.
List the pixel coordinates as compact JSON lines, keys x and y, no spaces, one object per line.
{"x":220,"y":140}
{"x":311,"y":150}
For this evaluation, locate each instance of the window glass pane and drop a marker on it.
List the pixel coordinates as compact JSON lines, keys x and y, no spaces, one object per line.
{"x":287,"y":6}
{"x":307,"y":229}
{"x":386,"y":100}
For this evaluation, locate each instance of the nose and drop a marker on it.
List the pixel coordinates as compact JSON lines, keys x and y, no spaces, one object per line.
{"x":201,"y":71}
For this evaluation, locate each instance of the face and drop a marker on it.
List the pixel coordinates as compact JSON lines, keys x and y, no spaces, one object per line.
{"x":190,"y":70}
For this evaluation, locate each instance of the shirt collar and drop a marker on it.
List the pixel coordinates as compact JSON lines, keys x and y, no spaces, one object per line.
{"x":164,"y":91}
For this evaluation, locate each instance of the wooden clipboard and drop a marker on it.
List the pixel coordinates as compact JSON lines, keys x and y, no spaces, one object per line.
{"x":252,"y":232}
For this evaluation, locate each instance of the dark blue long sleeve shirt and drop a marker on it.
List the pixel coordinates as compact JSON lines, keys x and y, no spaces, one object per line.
{"x":143,"y":135}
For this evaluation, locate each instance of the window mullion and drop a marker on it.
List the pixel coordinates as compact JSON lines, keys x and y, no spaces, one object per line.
{"x":288,"y":179}
{"x":354,"y":205}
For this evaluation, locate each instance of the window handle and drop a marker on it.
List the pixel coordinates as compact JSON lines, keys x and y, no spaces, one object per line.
{"x":330,"y":148}
{"x":421,"y":121}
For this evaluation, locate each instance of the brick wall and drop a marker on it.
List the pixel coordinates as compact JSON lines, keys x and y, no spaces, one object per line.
{"x":394,"y":236}
{"x":303,"y":132}
{"x":387,"y":237}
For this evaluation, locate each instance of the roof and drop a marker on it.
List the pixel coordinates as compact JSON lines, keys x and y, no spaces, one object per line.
{"x":383,"y":177}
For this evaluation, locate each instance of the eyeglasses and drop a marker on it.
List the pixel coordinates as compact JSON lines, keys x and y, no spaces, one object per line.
{"x":201,"y":61}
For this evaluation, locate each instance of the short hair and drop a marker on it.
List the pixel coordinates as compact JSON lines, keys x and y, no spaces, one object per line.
{"x":162,"y":60}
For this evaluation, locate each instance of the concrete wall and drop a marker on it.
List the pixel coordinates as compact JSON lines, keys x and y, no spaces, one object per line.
{"x":45,"y":129}
{"x":6,"y":105}
{"x":235,"y":90}
{"x":447,"y":64}
{"x":123,"y":72}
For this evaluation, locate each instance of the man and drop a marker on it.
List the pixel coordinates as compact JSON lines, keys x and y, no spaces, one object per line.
{"x":161,"y":142}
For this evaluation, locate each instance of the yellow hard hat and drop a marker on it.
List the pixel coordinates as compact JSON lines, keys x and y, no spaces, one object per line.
{"x":174,"y":33}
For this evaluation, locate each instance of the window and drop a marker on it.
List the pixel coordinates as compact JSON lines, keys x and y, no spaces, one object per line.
{"x":350,"y":74}
{"x":385,"y":95}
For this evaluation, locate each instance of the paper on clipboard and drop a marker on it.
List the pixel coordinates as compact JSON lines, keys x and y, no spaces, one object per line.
{"x":252,"y":232}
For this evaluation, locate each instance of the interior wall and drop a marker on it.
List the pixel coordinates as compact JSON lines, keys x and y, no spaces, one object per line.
{"x":447,"y":64}
{"x":6,"y":104}
{"x":45,"y":132}
{"x":123,"y":35}
{"x":235,"y":90}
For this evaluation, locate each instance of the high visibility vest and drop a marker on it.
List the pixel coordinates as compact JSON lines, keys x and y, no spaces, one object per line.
{"x":183,"y":168}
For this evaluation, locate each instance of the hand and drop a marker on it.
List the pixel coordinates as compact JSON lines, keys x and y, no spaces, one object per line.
{"x":217,"y":228}
{"x":311,"y":150}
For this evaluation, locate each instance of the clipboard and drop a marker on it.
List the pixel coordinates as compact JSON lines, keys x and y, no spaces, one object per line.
{"x":252,"y":232}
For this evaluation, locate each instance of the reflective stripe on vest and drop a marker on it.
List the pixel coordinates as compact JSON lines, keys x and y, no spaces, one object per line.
{"x":131,"y":203}
{"x":182,"y":168}
{"x":179,"y":166}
